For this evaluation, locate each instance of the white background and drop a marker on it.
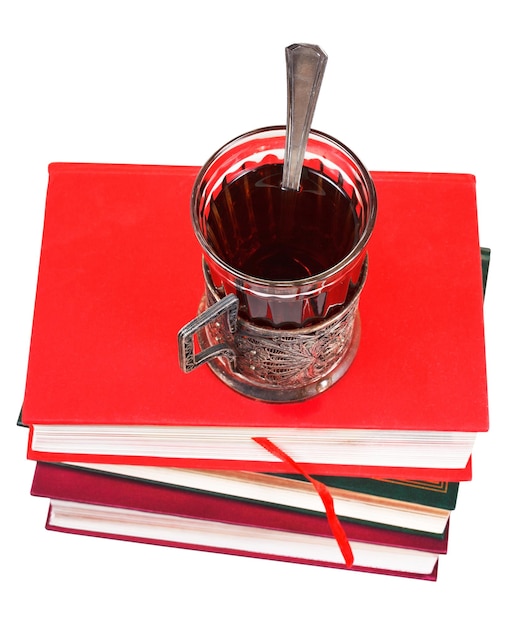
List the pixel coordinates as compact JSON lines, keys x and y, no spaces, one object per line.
{"x":421,"y":86}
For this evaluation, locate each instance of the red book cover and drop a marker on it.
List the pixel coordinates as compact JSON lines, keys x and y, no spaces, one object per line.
{"x":65,"y":484}
{"x":120,"y":273}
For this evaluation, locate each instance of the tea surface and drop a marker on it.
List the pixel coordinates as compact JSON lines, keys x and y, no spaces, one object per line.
{"x":276,"y":234}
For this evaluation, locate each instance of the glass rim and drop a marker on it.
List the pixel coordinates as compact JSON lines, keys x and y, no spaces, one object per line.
{"x":346,"y":261}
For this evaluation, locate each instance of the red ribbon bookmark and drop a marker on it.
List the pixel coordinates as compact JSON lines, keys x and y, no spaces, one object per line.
{"x":324,"y":494}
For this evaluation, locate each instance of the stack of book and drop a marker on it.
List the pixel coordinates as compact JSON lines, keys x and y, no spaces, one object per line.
{"x":364,"y":476}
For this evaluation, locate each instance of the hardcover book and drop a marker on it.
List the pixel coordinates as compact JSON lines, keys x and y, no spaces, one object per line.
{"x":417,"y":506}
{"x":120,"y":274}
{"x":92,"y":503}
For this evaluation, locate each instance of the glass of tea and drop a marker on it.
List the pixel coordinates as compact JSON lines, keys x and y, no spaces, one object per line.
{"x":283,"y":269}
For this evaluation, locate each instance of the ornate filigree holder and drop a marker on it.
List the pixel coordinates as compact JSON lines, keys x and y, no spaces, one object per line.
{"x":279,"y":365}
{"x":279,"y":338}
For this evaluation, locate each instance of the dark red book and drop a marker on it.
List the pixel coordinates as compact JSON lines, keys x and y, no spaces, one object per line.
{"x":417,"y":506}
{"x":120,"y":274}
{"x":102,"y":505}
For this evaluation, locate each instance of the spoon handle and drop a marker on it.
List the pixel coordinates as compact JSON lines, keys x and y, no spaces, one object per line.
{"x":305,"y":69}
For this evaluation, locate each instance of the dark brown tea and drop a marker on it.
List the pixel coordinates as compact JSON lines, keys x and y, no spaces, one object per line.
{"x":271,"y":233}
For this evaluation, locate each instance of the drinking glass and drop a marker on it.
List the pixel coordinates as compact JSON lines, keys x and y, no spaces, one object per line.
{"x":283,"y":269}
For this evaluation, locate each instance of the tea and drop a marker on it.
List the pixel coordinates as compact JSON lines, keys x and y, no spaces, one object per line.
{"x":276,"y":234}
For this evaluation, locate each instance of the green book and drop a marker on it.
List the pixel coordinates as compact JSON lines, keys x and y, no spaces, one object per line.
{"x":441,"y":495}
{"x":485,"y":262}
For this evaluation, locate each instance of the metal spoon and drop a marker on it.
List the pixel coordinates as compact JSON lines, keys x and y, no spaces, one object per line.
{"x":305,"y":69}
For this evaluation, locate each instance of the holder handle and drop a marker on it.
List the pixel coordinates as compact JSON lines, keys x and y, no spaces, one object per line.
{"x":227,"y":308}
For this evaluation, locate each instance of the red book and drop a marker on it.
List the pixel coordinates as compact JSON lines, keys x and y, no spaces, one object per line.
{"x":417,"y":506}
{"x":120,"y":274}
{"x":98,"y":504}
